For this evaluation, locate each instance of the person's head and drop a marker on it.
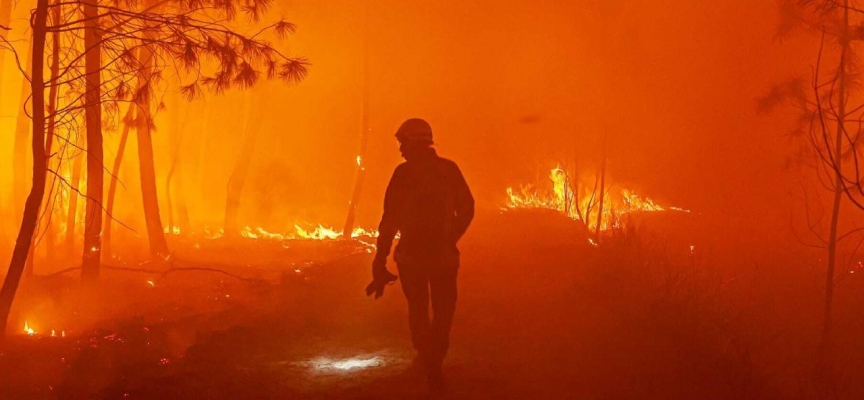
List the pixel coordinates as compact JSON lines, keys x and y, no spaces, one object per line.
{"x":415,"y":137}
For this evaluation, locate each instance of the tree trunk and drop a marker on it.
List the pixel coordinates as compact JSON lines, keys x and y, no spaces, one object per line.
{"x":40,"y":166}
{"x":176,"y":140}
{"x":180,"y":124}
{"x":360,"y":177}
{"x":825,"y":351}
{"x":112,"y":182}
{"x":602,"y":194}
{"x":92,"y":258}
{"x":49,"y":144}
{"x":240,"y":172}
{"x":355,"y":194}
{"x":72,"y":212}
{"x":5,"y":20}
{"x":52,"y":126}
{"x":182,"y":207}
{"x":576,"y":188}
{"x":155,"y":233}
{"x":22,"y":131}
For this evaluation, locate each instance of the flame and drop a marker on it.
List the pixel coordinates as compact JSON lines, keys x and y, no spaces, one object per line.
{"x":360,"y":232}
{"x":319,"y":233}
{"x":581,"y":202}
{"x":28,"y":330}
{"x":213,"y":235}
{"x":248,"y":233}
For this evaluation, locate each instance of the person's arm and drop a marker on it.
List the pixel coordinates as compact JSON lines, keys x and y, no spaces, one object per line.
{"x":388,"y":227}
{"x":464,"y":205}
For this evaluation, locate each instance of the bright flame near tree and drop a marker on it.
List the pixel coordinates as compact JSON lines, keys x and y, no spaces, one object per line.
{"x":28,"y":330}
{"x":319,"y":232}
{"x":582,"y":201}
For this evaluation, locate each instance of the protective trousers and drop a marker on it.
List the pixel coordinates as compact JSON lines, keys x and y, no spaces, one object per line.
{"x":421,"y":280}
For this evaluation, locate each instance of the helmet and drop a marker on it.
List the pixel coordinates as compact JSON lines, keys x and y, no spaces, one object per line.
{"x":415,"y":130}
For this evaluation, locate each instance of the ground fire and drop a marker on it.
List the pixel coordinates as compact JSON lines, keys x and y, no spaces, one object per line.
{"x":582,"y":201}
{"x":381,"y":199}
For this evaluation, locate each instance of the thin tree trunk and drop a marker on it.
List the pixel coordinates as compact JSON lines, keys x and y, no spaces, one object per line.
{"x":602,"y":194}
{"x":72,"y":212}
{"x":155,"y":233}
{"x":92,"y":258}
{"x":239,"y":174}
{"x":176,"y":139}
{"x":22,"y":131}
{"x":112,"y":180}
{"x":49,"y":144}
{"x":360,"y":176}
{"x":197,"y":168}
{"x":5,"y":20}
{"x":182,"y":208}
{"x":52,"y":126}
{"x":576,"y":188}
{"x":825,"y":351}
{"x":40,"y":166}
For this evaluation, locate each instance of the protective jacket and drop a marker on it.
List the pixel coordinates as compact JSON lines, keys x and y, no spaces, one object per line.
{"x":428,"y":202}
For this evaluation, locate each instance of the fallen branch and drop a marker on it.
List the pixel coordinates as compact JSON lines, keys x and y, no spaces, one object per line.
{"x":162,"y":274}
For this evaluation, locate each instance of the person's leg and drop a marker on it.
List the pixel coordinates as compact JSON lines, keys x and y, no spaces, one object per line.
{"x":443,"y":287}
{"x":415,"y":285}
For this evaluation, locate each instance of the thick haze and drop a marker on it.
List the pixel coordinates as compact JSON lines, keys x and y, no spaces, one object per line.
{"x":511,"y":89}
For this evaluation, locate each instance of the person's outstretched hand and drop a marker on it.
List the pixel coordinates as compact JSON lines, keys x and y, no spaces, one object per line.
{"x":381,"y":277}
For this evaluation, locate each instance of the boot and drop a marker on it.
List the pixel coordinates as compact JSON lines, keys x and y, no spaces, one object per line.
{"x":435,"y":377}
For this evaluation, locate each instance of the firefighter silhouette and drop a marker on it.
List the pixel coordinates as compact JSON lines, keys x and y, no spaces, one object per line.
{"x":430,"y":205}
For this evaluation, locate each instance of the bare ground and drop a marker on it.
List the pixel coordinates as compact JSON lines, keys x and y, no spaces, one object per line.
{"x":540,"y":315}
